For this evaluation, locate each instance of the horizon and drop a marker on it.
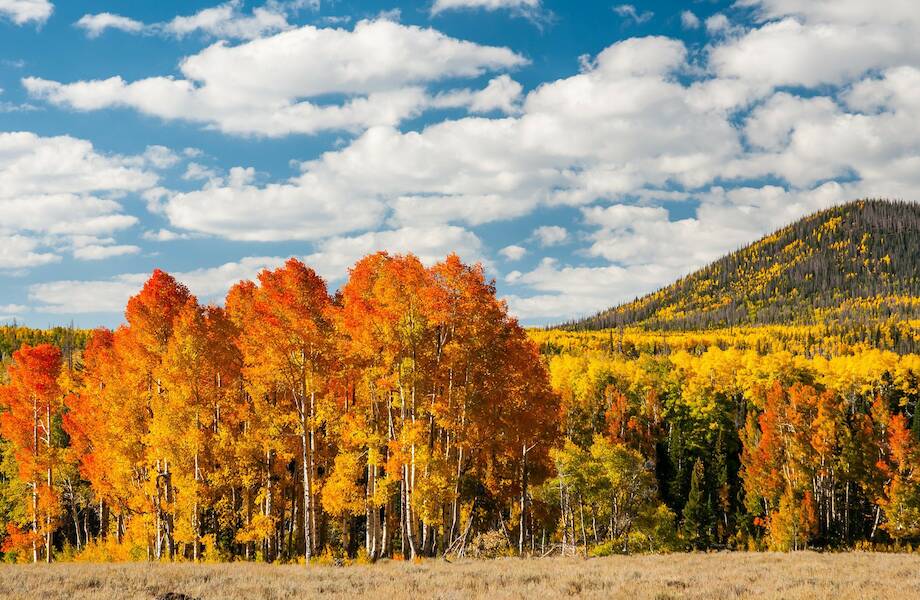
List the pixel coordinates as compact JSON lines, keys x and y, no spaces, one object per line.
{"x":585,"y":154}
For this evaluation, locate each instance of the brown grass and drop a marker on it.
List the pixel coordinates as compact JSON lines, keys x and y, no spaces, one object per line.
{"x":711,"y":576}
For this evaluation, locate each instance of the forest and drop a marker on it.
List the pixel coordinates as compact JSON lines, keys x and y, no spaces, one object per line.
{"x":397,"y":417}
{"x":853,"y":265}
{"x":408,"y":415}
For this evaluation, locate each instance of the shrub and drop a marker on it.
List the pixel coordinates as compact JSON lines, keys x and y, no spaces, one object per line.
{"x":491,"y":544}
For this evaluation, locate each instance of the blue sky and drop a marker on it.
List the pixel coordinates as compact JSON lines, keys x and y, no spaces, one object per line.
{"x":585,"y":152}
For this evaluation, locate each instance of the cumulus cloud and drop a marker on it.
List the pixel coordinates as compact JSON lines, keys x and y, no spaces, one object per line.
{"x":53,"y":189}
{"x":286,"y":211}
{"x":99,"y":252}
{"x":630,"y":13}
{"x":550,"y":235}
{"x":96,"y":24}
{"x":502,"y":94}
{"x":513,"y":253}
{"x":263,"y":87}
{"x":225,"y":21}
{"x":718,"y":23}
{"x":623,"y":124}
{"x":21,"y":252}
{"x":807,"y":105}
{"x":21,"y":12}
{"x":163,"y":235}
{"x":566,"y":291}
{"x":440,"y":6}
{"x":814,"y":43}
{"x":430,"y":244}
{"x":689,"y":20}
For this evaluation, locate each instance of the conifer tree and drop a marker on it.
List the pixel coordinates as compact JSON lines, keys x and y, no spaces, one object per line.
{"x":697,"y":514}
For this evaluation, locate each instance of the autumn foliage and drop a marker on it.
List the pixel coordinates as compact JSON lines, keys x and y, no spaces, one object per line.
{"x":396,"y":418}
{"x":408,"y":415}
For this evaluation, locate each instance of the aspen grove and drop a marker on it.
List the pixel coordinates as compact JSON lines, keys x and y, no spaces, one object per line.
{"x":391,"y":418}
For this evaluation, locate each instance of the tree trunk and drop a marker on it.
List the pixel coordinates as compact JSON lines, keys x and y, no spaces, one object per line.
{"x":372,"y":513}
{"x":103,"y":520}
{"x":34,"y":481}
{"x":307,"y":491}
{"x":523,"y":527}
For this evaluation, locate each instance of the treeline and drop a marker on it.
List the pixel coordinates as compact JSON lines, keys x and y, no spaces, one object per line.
{"x":825,"y":339}
{"x":408,"y":415}
{"x":14,"y":336}
{"x":854,"y":263}
{"x":748,"y":450}
{"x":400,"y":417}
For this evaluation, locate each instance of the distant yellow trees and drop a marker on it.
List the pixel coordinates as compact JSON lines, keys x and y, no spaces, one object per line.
{"x":797,"y":448}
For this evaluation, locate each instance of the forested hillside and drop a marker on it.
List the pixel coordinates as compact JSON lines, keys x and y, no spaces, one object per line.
{"x":857,"y":264}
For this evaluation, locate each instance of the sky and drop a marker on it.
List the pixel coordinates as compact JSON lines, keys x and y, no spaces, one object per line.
{"x":585,"y":152}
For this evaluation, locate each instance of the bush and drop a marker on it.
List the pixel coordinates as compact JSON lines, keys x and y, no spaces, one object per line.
{"x":491,"y":544}
{"x":607,"y":548}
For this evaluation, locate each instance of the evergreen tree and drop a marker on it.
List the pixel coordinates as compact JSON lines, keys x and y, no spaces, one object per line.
{"x":697,"y":515}
{"x":722,"y":490}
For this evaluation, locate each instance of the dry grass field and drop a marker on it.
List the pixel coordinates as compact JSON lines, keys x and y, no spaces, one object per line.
{"x":777,"y":576}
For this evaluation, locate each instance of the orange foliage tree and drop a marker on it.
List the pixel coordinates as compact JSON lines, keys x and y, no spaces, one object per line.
{"x":30,"y":402}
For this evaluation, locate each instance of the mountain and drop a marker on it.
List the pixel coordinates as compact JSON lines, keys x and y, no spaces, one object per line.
{"x":855,"y":263}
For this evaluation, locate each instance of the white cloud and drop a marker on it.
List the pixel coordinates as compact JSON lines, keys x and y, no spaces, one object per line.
{"x":430,"y":244}
{"x":852,"y":11}
{"x":622,"y":216}
{"x":550,"y":235}
{"x":13,"y":107}
{"x":718,"y":23}
{"x":440,"y":6}
{"x":644,"y":236}
{"x":101,"y":252}
{"x":287,"y":211}
{"x":163,"y":235}
{"x":34,"y":165}
{"x":161,"y":157}
{"x":226,"y":21}
{"x":196,"y":171}
{"x":75,"y":297}
{"x":21,"y":12}
{"x":502,"y":94}
{"x":567,"y":292}
{"x":814,"y":43}
{"x":629,"y":12}
{"x":513,"y":253}
{"x":95,"y":25}
{"x":54,"y":189}
{"x":871,"y":133}
{"x":263,"y":87}
{"x":20,"y":252}
{"x":622,"y":125}
{"x":689,"y":20}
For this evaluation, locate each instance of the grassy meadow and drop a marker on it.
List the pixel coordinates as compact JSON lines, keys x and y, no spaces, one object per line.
{"x":801,"y":575}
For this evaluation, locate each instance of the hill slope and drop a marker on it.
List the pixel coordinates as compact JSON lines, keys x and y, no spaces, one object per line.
{"x":858,"y":262}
